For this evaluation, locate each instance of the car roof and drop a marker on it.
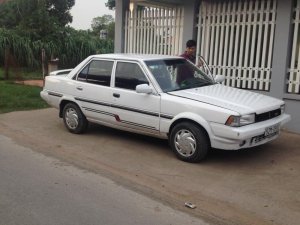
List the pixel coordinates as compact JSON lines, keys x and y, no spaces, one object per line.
{"x":139,"y":57}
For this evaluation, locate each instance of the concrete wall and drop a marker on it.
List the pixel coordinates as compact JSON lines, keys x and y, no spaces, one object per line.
{"x":280,"y":63}
{"x":189,"y":23}
{"x":121,"y":7}
{"x":293,"y":108}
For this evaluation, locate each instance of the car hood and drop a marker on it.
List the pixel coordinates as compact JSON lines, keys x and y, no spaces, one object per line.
{"x":241,"y":101}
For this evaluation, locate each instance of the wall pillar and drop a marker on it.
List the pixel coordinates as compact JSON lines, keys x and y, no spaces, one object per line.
{"x":120,"y":11}
{"x":281,"y":51}
{"x":189,"y":11}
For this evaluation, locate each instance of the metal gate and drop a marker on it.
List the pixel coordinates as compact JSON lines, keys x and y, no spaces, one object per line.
{"x":154,"y":31}
{"x":237,"y":40}
{"x":293,"y":83}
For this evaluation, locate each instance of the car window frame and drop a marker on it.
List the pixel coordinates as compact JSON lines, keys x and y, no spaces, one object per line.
{"x":113,"y":84}
{"x":89,"y":62}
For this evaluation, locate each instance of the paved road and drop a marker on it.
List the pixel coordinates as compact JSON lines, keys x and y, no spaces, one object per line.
{"x":35,"y":189}
{"x":254,"y":186}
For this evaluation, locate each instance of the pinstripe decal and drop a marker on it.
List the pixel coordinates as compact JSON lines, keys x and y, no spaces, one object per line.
{"x":164,"y":116}
{"x":138,"y":125}
{"x":98,"y":111}
{"x":119,"y":120}
{"x":136,"y":110}
{"x":124,"y":108}
{"x":54,"y":94}
{"x":92,"y":101}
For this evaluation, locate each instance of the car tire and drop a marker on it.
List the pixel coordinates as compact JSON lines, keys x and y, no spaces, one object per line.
{"x":74,"y":119}
{"x":189,"y":142}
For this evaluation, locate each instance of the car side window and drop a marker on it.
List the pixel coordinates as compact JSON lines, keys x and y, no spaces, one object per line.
{"x":129,"y":75}
{"x":97,"y":72}
{"x":83,"y":73}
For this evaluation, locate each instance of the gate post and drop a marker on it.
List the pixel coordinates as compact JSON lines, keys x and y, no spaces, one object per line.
{"x":281,"y":50}
{"x":121,"y":7}
{"x":189,"y":8}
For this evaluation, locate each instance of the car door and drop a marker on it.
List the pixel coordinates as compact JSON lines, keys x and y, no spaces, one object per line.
{"x":138,"y":111}
{"x":93,"y":91}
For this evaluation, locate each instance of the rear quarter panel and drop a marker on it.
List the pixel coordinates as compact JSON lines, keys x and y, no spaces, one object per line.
{"x":58,"y":88}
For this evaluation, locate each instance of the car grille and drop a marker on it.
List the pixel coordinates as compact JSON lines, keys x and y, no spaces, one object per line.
{"x":267,"y":115}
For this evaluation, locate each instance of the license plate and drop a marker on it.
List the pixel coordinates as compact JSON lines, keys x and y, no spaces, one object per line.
{"x":272,"y":130}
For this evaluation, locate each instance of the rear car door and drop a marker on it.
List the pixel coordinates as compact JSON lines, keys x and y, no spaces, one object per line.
{"x":93,"y":91}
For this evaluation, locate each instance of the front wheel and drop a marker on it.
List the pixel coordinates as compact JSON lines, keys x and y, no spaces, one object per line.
{"x":189,"y":142}
{"x":74,"y":119}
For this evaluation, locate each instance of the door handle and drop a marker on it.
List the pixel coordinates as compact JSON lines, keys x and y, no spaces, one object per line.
{"x":79,"y":88}
{"x":116,"y":95}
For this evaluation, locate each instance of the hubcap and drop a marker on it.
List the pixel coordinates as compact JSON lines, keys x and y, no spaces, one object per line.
{"x":185,"y":143}
{"x":71,"y":118}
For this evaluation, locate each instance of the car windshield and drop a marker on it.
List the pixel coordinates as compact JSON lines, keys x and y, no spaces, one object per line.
{"x":178,"y":74}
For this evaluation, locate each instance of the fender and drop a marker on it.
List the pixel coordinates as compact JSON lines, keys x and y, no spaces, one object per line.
{"x":63,"y":101}
{"x":187,"y":116}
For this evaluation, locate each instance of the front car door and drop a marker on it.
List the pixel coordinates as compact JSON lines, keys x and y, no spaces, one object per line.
{"x":137,"y":111}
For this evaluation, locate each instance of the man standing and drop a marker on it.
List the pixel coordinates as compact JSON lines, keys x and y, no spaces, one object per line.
{"x":190,"y":51}
{"x":184,"y":71}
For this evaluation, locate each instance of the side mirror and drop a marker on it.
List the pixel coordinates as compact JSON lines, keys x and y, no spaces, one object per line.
{"x":219,"y":78}
{"x":143,"y":88}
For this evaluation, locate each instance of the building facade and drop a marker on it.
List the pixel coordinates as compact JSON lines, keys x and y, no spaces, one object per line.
{"x":254,"y":43}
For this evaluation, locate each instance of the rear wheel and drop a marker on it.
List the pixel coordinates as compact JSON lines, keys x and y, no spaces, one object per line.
{"x":74,"y":119}
{"x":189,"y":142}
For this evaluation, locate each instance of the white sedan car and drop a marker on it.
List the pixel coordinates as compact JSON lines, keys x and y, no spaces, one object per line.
{"x":167,"y":97}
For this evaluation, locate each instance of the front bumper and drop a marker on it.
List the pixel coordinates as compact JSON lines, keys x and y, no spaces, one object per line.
{"x":233,"y":138}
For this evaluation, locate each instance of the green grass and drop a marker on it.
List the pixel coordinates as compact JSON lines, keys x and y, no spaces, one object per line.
{"x":22,"y":74}
{"x":17,"y":97}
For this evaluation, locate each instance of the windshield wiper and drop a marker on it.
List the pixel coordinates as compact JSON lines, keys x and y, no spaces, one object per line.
{"x":206,"y":84}
{"x":202,"y":84}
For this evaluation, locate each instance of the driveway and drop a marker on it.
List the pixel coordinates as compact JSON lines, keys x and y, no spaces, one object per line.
{"x":36,"y":189}
{"x":256,"y":186}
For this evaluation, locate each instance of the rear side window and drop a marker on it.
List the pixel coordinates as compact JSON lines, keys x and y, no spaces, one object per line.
{"x":129,"y":75}
{"x":97,"y":72}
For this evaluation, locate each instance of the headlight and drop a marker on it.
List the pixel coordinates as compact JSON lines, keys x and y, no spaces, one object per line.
{"x":282,"y":108}
{"x":237,"y":121}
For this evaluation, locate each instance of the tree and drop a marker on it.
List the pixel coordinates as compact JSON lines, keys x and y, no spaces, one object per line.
{"x":105,"y":22}
{"x":29,"y":26}
{"x":111,"y":4}
{"x":60,"y":9}
{"x":31,"y":14}
{"x":111,"y":31}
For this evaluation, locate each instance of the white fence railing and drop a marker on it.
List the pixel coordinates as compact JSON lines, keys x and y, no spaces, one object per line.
{"x":293,"y":83}
{"x":154,"y":31}
{"x":237,"y":40}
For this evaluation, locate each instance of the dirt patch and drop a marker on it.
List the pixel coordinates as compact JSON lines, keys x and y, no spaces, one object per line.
{"x":38,"y":83}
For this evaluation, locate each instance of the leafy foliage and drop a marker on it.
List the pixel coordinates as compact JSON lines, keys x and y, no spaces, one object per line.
{"x":60,"y":9}
{"x":39,"y":18}
{"x":71,"y":48}
{"x":111,"y":31}
{"x":111,"y":4}
{"x":105,"y":22}
{"x":28,"y":26}
{"x":77,"y":45}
